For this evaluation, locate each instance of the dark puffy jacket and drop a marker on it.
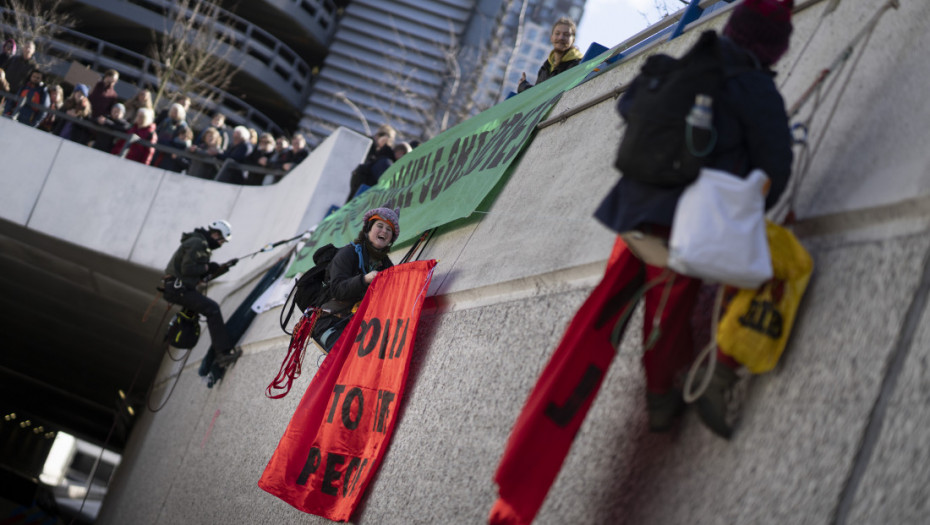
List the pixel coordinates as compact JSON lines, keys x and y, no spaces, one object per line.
{"x":191,"y":261}
{"x":752,"y":132}
{"x":346,"y":278}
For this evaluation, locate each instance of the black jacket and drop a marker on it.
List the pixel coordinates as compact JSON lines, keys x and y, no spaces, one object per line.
{"x":544,"y":70}
{"x":191,"y":261}
{"x":346,"y":277}
{"x":752,"y":132}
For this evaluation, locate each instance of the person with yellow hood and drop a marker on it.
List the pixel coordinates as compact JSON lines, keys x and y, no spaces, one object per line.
{"x":564,"y":54}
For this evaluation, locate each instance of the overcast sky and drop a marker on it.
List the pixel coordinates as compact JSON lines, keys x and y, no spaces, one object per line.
{"x":609,"y":22}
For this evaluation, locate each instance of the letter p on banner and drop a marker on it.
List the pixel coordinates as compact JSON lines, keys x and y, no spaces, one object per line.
{"x":335,"y":440}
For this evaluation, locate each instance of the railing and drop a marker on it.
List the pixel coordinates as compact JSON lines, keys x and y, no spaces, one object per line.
{"x":141,"y":71}
{"x":246,"y":38}
{"x":220,"y":165}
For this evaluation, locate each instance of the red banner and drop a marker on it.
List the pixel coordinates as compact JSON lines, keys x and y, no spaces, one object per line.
{"x":556,"y":407}
{"x":343,"y":424}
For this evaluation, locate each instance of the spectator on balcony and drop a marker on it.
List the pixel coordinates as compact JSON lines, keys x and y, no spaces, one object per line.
{"x":253,"y":137}
{"x":104,"y":94}
{"x":172,"y":161}
{"x":260,"y":156}
{"x":19,"y":67}
{"x":208,"y":149}
{"x":33,"y":103}
{"x":183,"y":100}
{"x":8,"y":52}
{"x":218,"y":123}
{"x":382,"y":143}
{"x":143,"y":132}
{"x":564,"y":55}
{"x":173,"y":126}
{"x":239,"y":150}
{"x":79,"y":107}
{"x":56,"y":100}
{"x":282,"y":152}
{"x":299,"y":152}
{"x":142,"y":99}
{"x":115,"y":122}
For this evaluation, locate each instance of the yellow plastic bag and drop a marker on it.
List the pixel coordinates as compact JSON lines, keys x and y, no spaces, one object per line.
{"x":755,"y":328}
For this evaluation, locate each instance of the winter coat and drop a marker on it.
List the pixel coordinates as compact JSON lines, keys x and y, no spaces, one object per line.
{"x":238,"y":153}
{"x":570,"y":59}
{"x":752,"y":132}
{"x":18,"y":70}
{"x":346,"y":279}
{"x":105,"y":141}
{"x":191,"y":261}
{"x":102,"y":98}
{"x":138,"y":151}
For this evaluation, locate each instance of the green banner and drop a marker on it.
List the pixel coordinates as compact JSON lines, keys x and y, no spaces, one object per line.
{"x":447,"y":177}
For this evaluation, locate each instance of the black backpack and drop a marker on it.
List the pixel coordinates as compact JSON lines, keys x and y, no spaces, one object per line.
{"x":183,"y":330}
{"x":659,"y":146}
{"x":310,"y":289}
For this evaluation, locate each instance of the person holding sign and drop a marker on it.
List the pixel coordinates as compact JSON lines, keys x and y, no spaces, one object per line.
{"x":353,"y":268}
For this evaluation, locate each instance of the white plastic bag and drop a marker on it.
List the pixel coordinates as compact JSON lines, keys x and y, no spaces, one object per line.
{"x":718,"y":233}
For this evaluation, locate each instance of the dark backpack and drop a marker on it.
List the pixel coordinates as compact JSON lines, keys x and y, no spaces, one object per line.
{"x":183,"y":330}
{"x":659,"y":146}
{"x":310,"y":289}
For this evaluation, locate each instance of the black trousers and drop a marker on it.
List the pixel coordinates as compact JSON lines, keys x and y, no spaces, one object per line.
{"x":200,"y":303}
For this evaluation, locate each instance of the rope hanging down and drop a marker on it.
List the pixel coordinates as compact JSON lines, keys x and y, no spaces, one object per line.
{"x":293,"y":361}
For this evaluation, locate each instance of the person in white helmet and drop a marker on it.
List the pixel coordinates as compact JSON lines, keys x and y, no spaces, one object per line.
{"x":191,"y":266}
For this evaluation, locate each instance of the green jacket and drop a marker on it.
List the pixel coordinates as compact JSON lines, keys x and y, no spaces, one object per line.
{"x":192,"y":259}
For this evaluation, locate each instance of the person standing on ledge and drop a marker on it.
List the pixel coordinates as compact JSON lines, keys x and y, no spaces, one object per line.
{"x":564,"y":54}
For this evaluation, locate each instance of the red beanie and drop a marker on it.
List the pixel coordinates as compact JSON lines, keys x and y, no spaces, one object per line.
{"x":761,"y":26}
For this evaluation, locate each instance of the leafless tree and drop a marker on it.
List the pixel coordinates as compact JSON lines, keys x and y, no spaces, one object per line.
{"x":193,"y":51}
{"x":39,"y":21}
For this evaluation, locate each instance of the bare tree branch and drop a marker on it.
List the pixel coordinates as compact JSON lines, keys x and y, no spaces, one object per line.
{"x":193,"y":51}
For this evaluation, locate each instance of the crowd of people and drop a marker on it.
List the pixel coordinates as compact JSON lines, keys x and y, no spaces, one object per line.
{"x":40,"y":105}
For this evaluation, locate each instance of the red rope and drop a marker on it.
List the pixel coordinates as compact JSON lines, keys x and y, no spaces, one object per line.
{"x":290,"y":367}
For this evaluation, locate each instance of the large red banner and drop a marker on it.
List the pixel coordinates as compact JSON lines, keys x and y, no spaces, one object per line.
{"x":343,"y":424}
{"x":557,"y":406}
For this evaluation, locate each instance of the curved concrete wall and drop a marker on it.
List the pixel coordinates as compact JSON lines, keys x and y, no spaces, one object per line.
{"x":834,"y":434}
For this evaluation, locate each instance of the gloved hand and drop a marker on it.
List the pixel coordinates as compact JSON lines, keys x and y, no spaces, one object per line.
{"x":212,"y":268}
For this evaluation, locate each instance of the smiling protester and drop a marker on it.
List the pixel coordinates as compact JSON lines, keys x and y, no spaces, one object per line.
{"x":564,"y":54}
{"x":354,"y":267}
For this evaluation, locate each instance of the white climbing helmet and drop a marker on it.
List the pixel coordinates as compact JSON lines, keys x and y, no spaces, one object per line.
{"x":223,"y":227}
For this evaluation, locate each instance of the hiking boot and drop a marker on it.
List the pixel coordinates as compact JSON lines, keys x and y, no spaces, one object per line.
{"x":228,"y":358}
{"x":719,"y":405}
{"x":663,"y":409}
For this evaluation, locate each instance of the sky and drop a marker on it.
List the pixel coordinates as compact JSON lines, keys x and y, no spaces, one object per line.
{"x":609,"y":22}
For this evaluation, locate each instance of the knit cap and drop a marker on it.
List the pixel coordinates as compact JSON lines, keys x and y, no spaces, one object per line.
{"x":761,"y":26}
{"x":82,"y":88}
{"x":387,"y":215}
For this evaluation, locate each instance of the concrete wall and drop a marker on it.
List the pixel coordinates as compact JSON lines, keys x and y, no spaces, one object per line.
{"x":834,"y":434}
